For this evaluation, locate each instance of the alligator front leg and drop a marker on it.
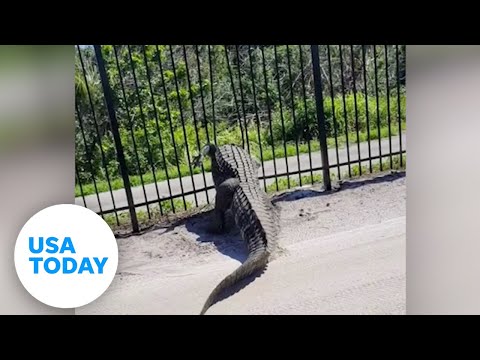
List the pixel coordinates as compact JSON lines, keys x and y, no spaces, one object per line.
{"x":223,"y":200}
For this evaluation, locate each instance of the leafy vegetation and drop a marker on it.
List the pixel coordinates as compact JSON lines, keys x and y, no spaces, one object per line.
{"x":171,"y":100}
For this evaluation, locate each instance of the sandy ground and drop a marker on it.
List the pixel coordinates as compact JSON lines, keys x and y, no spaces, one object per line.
{"x":345,"y":254}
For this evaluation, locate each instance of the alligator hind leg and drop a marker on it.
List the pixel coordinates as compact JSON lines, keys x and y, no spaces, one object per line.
{"x":223,"y":200}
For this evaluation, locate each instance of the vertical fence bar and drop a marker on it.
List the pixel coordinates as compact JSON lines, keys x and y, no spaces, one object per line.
{"x":399,"y":105}
{"x":242,"y":98}
{"x":290,"y":78}
{"x":145,"y":132}
{"x":155,"y":114}
{"x":304,"y":91}
{"x":81,"y":187}
{"x":200,"y":82}
{"x":116,"y":135}
{"x":269,"y":111}
{"x":281,"y":113}
{"x":378,"y":106}
{"x":252,"y":74}
{"x":317,"y":78}
{"x":210,"y":67}
{"x":131,"y":125}
{"x":345,"y":115}
{"x":387,"y":86}
{"x":99,"y":137}
{"x":234,"y":95}
{"x":281,"y":69}
{"x":332,"y":97}
{"x":356,"y":109}
{"x":172,"y":133}
{"x":364,"y":63}
{"x":89,"y":158}
{"x":194,"y":118}
{"x":182,"y":119}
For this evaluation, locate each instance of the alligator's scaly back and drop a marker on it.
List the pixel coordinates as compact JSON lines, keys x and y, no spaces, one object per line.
{"x":252,"y":210}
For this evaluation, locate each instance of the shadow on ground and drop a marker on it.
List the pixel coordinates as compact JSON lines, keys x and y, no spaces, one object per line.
{"x":229,"y":243}
{"x":339,"y":186}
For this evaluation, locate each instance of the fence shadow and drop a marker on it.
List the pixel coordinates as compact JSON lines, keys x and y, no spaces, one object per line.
{"x":341,"y":186}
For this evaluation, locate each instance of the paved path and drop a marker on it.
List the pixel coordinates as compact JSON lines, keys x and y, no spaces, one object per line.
{"x":269,"y":168}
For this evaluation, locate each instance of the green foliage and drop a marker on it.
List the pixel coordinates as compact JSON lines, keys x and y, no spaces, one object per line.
{"x":340,"y":115}
{"x":158,"y":128}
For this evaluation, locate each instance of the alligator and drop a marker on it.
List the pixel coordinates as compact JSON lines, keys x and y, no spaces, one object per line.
{"x":235,"y":175}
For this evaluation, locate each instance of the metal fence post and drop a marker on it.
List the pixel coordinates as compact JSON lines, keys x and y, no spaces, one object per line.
{"x":116,"y":135}
{"x":317,"y":79}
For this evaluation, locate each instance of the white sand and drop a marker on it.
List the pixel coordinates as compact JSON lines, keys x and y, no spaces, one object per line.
{"x":345,"y":255}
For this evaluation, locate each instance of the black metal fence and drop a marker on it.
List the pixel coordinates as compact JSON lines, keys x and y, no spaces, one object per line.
{"x":308,"y":113}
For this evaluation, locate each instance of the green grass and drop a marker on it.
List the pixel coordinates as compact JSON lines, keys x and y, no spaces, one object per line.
{"x":148,"y":178}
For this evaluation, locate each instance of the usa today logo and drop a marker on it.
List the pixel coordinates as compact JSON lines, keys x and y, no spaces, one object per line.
{"x":66,"y":256}
{"x":65,"y":265}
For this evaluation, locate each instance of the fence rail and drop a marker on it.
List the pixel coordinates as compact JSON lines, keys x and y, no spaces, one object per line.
{"x":308,"y":113}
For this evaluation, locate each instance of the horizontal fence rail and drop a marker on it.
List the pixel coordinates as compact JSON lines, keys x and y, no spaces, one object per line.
{"x":308,"y":113}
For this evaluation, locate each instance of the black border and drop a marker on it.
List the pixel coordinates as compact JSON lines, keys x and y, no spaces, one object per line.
{"x":319,"y":25}
{"x":246,"y":22}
